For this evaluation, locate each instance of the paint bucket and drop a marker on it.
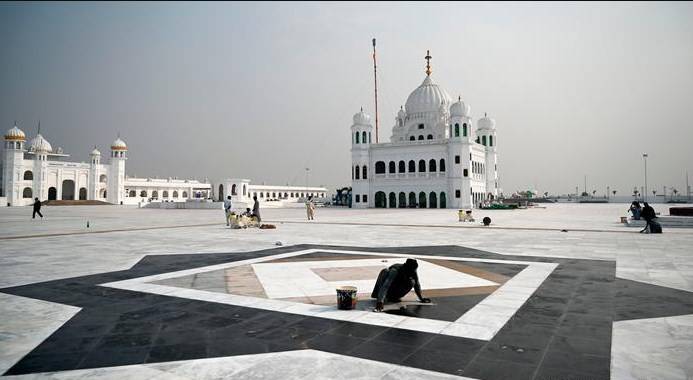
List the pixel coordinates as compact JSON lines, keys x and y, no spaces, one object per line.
{"x":346,"y":297}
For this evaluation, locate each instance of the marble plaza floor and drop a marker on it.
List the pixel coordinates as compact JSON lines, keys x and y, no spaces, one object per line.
{"x":562,"y":292}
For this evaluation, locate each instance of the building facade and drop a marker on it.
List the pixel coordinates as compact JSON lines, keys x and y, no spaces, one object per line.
{"x":36,"y":170}
{"x":242,"y":190}
{"x":437,"y":156}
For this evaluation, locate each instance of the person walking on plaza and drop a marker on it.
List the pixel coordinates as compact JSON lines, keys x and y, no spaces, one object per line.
{"x":227,"y":208}
{"x":37,"y":209}
{"x":256,"y":209}
{"x":310,"y":208}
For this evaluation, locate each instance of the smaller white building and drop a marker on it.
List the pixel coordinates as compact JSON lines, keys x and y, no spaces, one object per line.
{"x":241,"y":190}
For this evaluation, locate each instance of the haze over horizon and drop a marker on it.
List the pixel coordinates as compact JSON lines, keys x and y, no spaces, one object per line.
{"x":265,"y":90}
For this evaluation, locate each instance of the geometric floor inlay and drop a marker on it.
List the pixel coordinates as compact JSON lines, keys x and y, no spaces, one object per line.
{"x":496,"y":316}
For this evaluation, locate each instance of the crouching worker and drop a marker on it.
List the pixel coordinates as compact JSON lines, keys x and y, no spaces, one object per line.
{"x":395,"y":282}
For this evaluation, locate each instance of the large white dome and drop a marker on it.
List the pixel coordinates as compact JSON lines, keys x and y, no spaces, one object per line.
{"x":486,"y":123}
{"x":460,"y":108}
{"x":119,"y":144}
{"x":427,"y":98}
{"x":40,"y":145}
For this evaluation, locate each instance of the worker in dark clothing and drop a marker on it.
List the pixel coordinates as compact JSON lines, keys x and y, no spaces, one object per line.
{"x":256,"y":209}
{"x":395,"y":282}
{"x":37,"y":209}
{"x":648,"y":213}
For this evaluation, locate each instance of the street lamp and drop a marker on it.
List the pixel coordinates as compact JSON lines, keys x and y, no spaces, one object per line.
{"x":644,"y":157}
{"x":307,"y":171}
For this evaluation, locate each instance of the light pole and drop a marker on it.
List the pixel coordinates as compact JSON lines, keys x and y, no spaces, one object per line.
{"x":307,"y":171}
{"x":644,"y":157}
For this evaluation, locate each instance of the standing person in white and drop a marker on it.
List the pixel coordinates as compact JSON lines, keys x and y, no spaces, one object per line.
{"x":227,"y":208}
{"x":310,"y":208}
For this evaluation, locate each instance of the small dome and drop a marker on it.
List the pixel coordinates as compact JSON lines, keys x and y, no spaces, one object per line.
{"x":427,"y":98}
{"x":40,"y":145}
{"x":119,"y":144}
{"x":95,"y":152}
{"x":15,"y":134}
{"x":401,"y":114}
{"x":362,"y":118}
{"x":459,"y":108}
{"x":486,"y":123}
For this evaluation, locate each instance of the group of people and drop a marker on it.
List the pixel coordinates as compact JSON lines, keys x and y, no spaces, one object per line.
{"x":646,"y":212}
{"x":254,"y":213}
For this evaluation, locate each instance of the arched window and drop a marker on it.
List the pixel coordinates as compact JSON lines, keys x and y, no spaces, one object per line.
{"x":392,"y":167}
{"x":422,"y":200}
{"x":274,"y":195}
{"x":175,"y":194}
{"x":358,"y":138}
{"x":132,"y":194}
{"x":457,"y":130}
{"x":185,"y":194}
{"x":412,"y":200}
{"x":165,"y":194}
{"x":221,"y":193}
{"x":442,"y":165}
{"x":286,"y":195}
{"x":262,"y":195}
{"x":233,"y":189}
{"x":104,"y":193}
{"x":432,"y":165}
{"x":155,"y":194}
{"x":490,"y":141}
{"x":464,"y":129}
{"x":26,"y":193}
{"x":443,"y":200}
{"x":412,"y":138}
{"x":244,"y":190}
{"x":483,"y":140}
{"x":433,"y":200}
{"x":422,"y":166}
{"x":357,"y":171}
{"x":82,"y":193}
{"x":52,"y":193}
{"x":393,"y":200}
{"x":143,"y":193}
{"x":429,"y":137}
{"x":402,"y":200}
{"x":28,"y":175}
{"x":103,"y":178}
{"x":292,"y":195}
{"x":364,"y":172}
{"x":363,"y":137}
{"x":369,"y":137}
{"x":421,"y":137}
{"x":412,"y":166}
{"x":477,"y":140}
{"x":380,"y":201}
{"x":380,"y":167}
{"x":402,"y":167}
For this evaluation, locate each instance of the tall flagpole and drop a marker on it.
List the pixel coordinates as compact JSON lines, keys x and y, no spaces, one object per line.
{"x":375,"y":77}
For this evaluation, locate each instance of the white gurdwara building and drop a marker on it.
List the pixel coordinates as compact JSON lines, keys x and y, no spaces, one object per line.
{"x":35,"y":170}
{"x":435,"y":157}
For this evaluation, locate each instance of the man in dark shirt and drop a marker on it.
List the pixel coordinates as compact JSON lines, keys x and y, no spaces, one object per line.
{"x":37,"y":209}
{"x":395,"y":282}
{"x":256,"y":209}
{"x":647,"y":213}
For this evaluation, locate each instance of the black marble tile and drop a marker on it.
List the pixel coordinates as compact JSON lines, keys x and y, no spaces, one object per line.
{"x":114,"y":356}
{"x":451,"y":362}
{"x":358,"y":330}
{"x":462,"y":346}
{"x":172,"y":352}
{"x":498,"y":370}
{"x":333,"y":343}
{"x":404,"y":337}
{"x":383,"y":351}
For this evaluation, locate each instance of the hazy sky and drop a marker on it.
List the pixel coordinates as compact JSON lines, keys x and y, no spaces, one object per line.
{"x":264,"y":90}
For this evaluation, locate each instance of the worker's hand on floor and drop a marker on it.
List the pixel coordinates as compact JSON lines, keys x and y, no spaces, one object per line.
{"x":379,"y":306}
{"x":426,"y":300}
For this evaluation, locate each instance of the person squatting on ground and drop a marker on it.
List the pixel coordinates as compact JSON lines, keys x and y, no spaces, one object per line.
{"x":37,"y":209}
{"x":635,"y":210}
{"x":395,"y":282}
{"x":256,"y":209}
{"x":648,"y":213}
{"x":227,"y":208}
{"x":310,"y":208}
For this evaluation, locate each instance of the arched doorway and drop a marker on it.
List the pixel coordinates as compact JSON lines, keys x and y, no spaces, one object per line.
{"x":221,"y":193}
{"x":132,"y":194}
{"x":402,"y":200}
{"x":443,"y":200}
{"x":380,"y":201}
{"x":422,"y":200}
{"x":68,"y":190}
{"x":102,"y":193}
{"x":82,"y":193}
{"x":432,"y":200}
{"x":52,"y":193}
{"x":393,"y":200}
{"x":412,"y":199}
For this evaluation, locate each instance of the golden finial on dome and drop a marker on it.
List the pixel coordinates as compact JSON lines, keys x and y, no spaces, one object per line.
{"x":428,"y":62}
